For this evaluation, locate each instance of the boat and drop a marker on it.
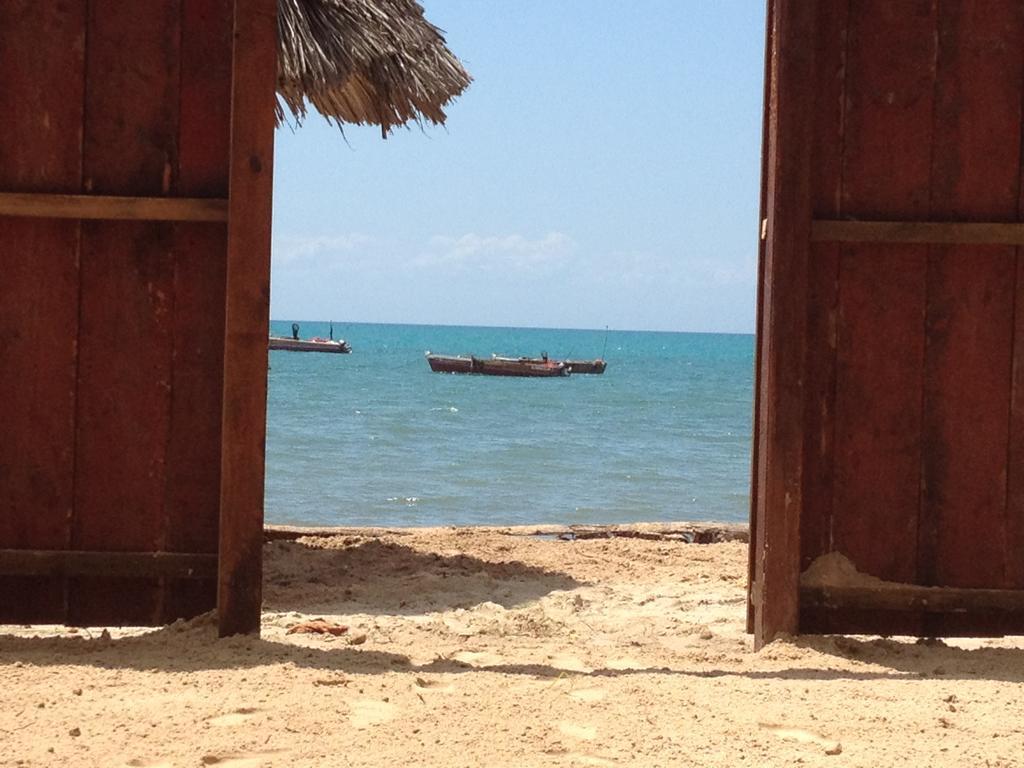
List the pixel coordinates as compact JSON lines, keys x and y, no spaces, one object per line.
{"x":315,"y":344}
{"x":575,"y":366}
{"x":498,"y":366}
{"x":587,"y":366}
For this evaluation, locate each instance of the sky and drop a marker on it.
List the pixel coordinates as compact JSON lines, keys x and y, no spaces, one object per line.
{"x":601,"y":170}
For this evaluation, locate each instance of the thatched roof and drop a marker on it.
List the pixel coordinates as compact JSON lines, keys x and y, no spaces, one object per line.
{"x":377,"y":62}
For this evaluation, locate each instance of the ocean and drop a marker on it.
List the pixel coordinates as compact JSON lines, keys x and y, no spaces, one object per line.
{"x":376,"y":438}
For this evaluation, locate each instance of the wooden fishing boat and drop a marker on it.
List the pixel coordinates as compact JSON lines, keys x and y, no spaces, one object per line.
{"x":575,"y":366}
{"x":587,"y":366}
{"x":315,"y":344}
{"x":498,"y":366}
{"x":310,"y":345}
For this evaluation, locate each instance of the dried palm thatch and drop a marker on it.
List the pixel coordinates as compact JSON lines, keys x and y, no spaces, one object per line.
{"x":377,"y":62}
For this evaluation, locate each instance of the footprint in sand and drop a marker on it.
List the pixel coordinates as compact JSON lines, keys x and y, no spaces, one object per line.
{"x":254,"y":760}
{"x":569,"y":663}
{"x":831,"y":746}
{"x":366,"y":712}
{"x":588,"y":694}
{"x":587,"y":759}
{"x":584,"y":732}
{"x":137,"y":763}
{"x":434,"y":686}
{"x":477,"y":658}
{"x":237,"y":717}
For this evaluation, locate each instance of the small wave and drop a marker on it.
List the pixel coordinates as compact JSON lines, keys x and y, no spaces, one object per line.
{"x":409,"y":501}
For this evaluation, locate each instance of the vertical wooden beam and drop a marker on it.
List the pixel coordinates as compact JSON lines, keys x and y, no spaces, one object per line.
{"x":247,"y":315}
{"x":1014,"y":575}
{"x":780,"y":428}
{"x":759,"y":322}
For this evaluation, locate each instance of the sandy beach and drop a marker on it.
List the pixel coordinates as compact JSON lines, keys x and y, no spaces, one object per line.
{"x":473,"y":647}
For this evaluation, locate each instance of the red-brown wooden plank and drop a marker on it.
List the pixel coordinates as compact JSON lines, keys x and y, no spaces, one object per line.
{"x":125,"y":346}
{"x":246,"y":317}
{"x":779,"y":504}
{"x":886,"y":173}
{"x":40,"y":151}
{"x":759,"y":322}
{"x":823,"y":284}
{"x":192,"y":496}
{"x":878,"y":410}
{"x":975,"y":176}
{"x":1014,"y":559}
{"x":966,"y":416}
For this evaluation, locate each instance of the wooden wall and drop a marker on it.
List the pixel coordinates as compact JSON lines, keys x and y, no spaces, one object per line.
{"x":112,"y":326}
{"x":891,"y":383}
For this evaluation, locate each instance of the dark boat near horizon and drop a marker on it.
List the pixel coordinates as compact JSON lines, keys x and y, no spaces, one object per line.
{"x":498,"y":366}
{"x":587,"y":366}
{"x":575,"y":366}
{"x":310,"y":345}
{"x":316,"y":344}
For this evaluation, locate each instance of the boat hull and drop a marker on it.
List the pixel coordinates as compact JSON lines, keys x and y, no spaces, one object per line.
{"x":521,"y":367}
{"x":575,"y":366}
{"x":587,"y":366}
{"x":309,"y":345}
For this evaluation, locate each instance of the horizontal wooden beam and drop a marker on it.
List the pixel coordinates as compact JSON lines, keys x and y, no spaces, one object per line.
{"x":909,"y":597}
{"x":934,"y":232}
{"x":36,"y":562}
{"x":110,"y":207}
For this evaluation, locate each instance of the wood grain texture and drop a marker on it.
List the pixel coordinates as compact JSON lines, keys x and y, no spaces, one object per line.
{"x":927,"y":335}
{"x":759,"y":324}
{"x":126,"y":334}
{"x":823,"y":285}
{"x":112,"y":207}
{"x":911,"y":598}
{"x":40,"y":149}
{"x":192,"y":495}
{"x":108,"y":564}
{"x":969,"y":320}
{"x":880,"y":336}
{"x":924,"y":232}
{"x":780,"y":426}
{"x":246,"y":317}
{"x":1014,"y":559}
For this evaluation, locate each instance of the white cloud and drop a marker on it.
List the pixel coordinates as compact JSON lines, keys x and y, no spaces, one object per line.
{"x":728,"y":271}
{"x":498,"y":252}
{"x":320,"y":252}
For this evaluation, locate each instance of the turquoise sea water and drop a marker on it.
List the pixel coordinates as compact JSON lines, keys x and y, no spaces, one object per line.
{"x":376,"y":438}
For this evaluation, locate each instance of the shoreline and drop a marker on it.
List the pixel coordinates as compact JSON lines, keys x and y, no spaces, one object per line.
{"x":689,"y":532}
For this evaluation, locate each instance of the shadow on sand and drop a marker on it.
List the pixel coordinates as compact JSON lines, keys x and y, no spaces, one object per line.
{"x":193,"y":647}
{"x":376,"y":577}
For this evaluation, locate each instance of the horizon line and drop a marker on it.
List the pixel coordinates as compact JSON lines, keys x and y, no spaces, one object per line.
{"x":609,"y":329}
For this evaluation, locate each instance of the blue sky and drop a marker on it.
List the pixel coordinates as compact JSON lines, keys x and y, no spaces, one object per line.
{"x":601,"y":170}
